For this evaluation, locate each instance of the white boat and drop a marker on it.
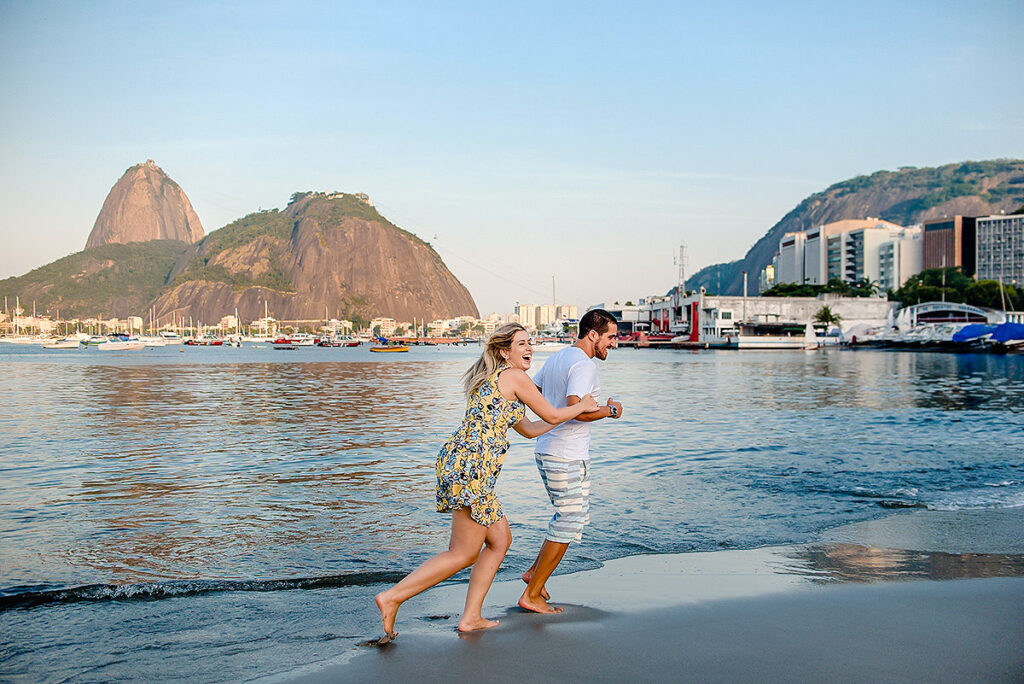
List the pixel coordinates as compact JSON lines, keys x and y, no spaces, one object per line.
{"x":95,"y":340}
{"x":171,"y":337}
{"x":544,"y":347}
{"x":20,"y":339}
{"x":66,"y":343}
{"x":153,"y":341}
{"x":131,"y":344}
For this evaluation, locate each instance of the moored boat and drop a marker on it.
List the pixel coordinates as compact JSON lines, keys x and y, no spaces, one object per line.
{"x":129,"y":344}
{"x":64,"y":343}
{"x":391,"y":348}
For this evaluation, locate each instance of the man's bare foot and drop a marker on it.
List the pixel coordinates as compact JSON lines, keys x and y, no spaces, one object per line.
{"x":537,"y":605}
{"x":472,"y":625}
{"x":527,"y":576}
{"x":388,"y":612}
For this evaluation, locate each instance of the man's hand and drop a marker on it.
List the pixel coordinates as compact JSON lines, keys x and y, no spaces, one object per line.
{"x":618,"y":407}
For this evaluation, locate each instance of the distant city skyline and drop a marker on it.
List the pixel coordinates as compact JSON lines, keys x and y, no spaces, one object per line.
{"x":521,"y":141}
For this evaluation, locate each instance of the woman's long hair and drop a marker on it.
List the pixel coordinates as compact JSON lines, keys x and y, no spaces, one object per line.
{"x":491,"y":357}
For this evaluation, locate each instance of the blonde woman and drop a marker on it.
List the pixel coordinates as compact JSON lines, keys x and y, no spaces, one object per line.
{"x":498,"y":391}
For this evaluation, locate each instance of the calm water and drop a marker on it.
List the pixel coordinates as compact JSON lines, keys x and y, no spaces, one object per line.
{"x":160,"y":509}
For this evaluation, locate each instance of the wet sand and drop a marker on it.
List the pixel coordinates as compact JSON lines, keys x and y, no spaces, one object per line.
{"x":843,"y":609}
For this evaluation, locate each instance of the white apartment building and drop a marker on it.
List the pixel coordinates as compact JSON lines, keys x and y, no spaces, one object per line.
{"x":848,"y":250}
{"x":387,"y":326}
{"x":1000,"y":249}
{"x":899,"y":258}
{"x":790,"y":261}
{"x":537,"y":316}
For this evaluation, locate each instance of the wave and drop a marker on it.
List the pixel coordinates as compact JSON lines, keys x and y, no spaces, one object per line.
{"x":155,"y":591}
{"x":988,"y":496}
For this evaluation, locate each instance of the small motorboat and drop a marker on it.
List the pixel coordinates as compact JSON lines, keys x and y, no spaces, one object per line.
{"x":391,"y":348}
{"x":127,"y":344}
{"x":205,"y":341}
{"x":65,"y":343}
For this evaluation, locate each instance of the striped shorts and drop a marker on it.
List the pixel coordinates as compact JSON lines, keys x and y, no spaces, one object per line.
{"x":568,"y":485}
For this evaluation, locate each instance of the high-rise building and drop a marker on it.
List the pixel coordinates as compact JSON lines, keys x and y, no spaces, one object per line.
{"x":899,"y":258}
{"x":847,"y":250}
{"x":950,"y":242}
{"x":1000,"y":249}
{"x":789,"y":267}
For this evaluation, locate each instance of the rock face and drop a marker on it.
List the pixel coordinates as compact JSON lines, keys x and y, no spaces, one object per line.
{"x":326,"y":253}
{"x":908,"y":196}
{"x":145,"y":204}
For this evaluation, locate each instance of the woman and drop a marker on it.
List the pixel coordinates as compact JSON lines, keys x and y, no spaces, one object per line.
{"x":497,"y":387}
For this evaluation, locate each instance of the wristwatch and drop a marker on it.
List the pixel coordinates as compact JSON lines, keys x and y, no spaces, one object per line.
{"x":613,"y":411}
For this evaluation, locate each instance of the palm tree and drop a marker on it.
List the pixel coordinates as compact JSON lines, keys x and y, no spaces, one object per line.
{"x":826,"y":317}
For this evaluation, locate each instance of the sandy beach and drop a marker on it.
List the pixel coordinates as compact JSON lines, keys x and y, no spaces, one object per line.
{"x":844,"y":609}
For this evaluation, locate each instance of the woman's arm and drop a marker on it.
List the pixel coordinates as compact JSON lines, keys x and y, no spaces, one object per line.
{"x":531,"y":429}
{"x":527,"y":392}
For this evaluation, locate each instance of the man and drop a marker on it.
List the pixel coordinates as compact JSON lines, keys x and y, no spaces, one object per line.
{"x":563,"y":454}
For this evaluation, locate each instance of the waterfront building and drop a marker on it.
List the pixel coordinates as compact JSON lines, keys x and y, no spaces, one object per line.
{"x":437,"y":328}
{"x":950,"y":242}
{"x":564,"y":312}
{"x":766,"y":279}
{"x":265,"y":327}
{"x":899,"y":258}
{"x":847,"y":250}
{"x":229,"y":322}
{"x":1000,"y":249}
{"x":387,"y":326}
{"x":720,"y":315}
{"x":790,"y":260}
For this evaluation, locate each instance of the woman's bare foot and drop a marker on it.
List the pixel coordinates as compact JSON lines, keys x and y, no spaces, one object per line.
{"x":538,"y":605}
{"x":474,"y":624}
{"x":527,"y":576}
{"x":388,"y":612}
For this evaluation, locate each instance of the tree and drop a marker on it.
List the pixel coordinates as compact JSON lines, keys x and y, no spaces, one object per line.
{"x":376,"y":331}
{"x":826,"y":317}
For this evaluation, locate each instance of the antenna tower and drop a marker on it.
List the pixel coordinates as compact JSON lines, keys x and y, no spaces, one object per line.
{"x":680,"y":262}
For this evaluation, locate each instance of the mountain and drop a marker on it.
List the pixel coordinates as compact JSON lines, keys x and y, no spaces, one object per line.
{"x":907,"y":196}
{"x":145,"y":204}
{"x":105,"y":281}
{"x":328,"y":252}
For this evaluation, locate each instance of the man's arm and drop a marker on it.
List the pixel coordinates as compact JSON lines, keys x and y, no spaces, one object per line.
{"x":603,"y":412}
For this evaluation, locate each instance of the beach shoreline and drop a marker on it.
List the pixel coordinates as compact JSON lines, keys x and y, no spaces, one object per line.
{"x":844,"y":608}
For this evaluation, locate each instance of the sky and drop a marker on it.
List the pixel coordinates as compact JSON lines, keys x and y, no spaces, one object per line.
{"x":583,"y":141}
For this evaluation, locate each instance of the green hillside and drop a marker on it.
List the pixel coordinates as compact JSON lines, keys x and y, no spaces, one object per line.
{"x":271,"y":228}
{"x":109,"y":280}
{"x":907,"y":196}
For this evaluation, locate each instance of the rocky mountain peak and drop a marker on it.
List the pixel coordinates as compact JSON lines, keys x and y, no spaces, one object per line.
{"x":145,"y":204}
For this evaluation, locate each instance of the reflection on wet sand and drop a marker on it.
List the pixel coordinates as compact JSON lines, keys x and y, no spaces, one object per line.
{"x":858,"y":563}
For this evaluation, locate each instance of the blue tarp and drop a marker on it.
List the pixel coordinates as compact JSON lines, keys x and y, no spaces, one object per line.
{"x":1007,"y":332}
{"x":972,"y":331}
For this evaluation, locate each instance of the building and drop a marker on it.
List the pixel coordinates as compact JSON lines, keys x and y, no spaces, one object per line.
{"x":789,"y":262}
{"x":766,"y":279}
{"x":1000,"y":249}
{"x":847,"y":250}
{"x":900,"y":258}
{"x":387,"y":326}
{"x":537,"y":316}
{"x":950,"y":242}
{"x":566,"y":312}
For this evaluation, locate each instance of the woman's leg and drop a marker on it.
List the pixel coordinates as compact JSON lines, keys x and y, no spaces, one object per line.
{"x":463,"y":550}
{"x":496,"y":543}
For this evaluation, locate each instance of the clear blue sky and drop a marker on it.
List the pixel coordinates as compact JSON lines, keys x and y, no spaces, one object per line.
{"x":581,"y":140}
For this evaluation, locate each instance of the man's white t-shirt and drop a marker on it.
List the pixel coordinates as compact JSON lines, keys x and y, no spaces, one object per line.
{"x":569,"y":371}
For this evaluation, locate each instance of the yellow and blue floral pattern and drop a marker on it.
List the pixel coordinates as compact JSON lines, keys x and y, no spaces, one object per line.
{"x":470,"y":461}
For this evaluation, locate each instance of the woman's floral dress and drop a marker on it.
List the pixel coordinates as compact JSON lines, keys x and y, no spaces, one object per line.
{"x":470,"y":461}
